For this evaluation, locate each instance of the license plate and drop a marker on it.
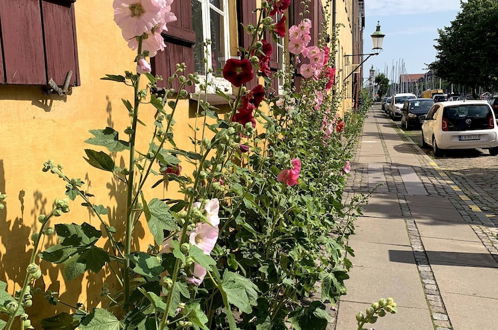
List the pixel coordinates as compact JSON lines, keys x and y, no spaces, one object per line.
{"x":469,"y":137}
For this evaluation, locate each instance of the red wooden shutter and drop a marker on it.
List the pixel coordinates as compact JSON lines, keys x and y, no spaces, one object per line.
{"x":179,"y":39}
{"x":60,"y":41}
{"x":246,"y":15}
{"x":22,"y":39}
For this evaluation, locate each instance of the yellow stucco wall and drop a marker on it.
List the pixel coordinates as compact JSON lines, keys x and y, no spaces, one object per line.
{"x":35,"y":127}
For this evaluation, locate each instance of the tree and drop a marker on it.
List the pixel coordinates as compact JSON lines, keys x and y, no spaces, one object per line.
{"x":383,"y":82}
{"x":468,"y":48}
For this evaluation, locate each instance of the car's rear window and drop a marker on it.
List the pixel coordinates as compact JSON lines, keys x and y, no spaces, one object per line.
{"x":421,"y":106}
{"x":467,"y":117}
{"x":402,"y":99}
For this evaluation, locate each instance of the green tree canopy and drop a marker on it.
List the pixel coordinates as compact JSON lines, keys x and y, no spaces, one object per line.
{"x":468,"y":48}
{"x":383,"y":82}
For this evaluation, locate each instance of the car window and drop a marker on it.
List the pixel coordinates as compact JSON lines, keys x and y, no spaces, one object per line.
{"x":432,"y":111}
{"x":421,"y":105}
{"x":402,"y":99}
{"x":467,"y":117}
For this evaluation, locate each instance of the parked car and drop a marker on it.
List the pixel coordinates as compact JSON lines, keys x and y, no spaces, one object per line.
{"x":413,"y":112}
{"x":385,"y":103}
{"x":440,"y":98}
{"x":460,"y":125}
{"x":494,"y":104}
{"x":397,"y":101}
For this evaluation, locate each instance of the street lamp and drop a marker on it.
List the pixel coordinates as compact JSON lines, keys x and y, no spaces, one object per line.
{"x":377,"y":41}
{"x":377,"y":38}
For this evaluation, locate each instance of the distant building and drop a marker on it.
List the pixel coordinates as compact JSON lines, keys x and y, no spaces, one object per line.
{"x":411,"y":83}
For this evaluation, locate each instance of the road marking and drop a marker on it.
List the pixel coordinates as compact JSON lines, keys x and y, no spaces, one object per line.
{"x":475,"y":208}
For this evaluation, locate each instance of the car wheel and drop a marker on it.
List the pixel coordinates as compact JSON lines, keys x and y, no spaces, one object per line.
{"x":493,"y":151}
{"x":437,"y":152}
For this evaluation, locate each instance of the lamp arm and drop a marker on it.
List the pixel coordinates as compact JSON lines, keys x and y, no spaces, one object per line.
{"x":359,"y":65}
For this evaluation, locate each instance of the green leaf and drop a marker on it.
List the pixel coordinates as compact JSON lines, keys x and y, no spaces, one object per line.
{"x":241,"y":292}
{"x":77,"y":235}
{"x":114,"y":77}
{"x":100,"y":319}
{"x":146,"y":264}
{"x":177,"y":252}
{"x":156,"y":301}
{"x":101,"y":209}
{"x":201,"y":258}
{"x":100,"y":160}
{"x":2,"y":324}
{"x":73,"y":268}
{"x":159,"y":219}
{"x":196,"y":315}
{"x":61,"y":321}
{"x":58,"y":253}
{"x":313,"y":317}
{"x":128,"y":105}
{"x":94,"y":258}
{"x":109,"y":138}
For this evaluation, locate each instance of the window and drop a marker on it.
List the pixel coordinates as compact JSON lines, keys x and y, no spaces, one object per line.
{"x":38,"y":43}
{"x":210,"y":21}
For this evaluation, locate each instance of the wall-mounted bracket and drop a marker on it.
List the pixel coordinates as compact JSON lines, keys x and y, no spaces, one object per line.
{"x":53,"y":88}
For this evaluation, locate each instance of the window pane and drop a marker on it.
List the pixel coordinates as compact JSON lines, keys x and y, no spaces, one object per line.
{"x":217,"y":42}
{"x":217,"y":3}
{"x":199,"y":36}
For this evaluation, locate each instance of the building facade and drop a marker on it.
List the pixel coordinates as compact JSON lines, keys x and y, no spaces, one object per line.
{"x":54,"y":54}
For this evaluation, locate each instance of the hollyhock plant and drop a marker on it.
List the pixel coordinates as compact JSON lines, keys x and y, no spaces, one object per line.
{"x":296,"y":46}
{"x":143,"y":66}
{"x":264,"y":66}
{"x":172,"y":170}
{"x":280,"y":28}
{"x":152,"y":42}
{"x":238,"y":72}
{"x":198,"y":275}
{"x":330,"y":74}
{"x":307,"y":71}
{"x":212,"y":209}
{"x":305,"y":26}
{"x":257,"y":95}
{"x":290,"y":176}
{"x":244,"y":148}
{"x":318,"y":100}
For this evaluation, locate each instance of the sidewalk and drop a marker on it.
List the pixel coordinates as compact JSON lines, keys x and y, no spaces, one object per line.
{"x":421,"y":241}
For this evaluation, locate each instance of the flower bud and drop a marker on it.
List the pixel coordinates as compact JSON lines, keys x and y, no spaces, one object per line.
{"x":57,"y":212}
{"x":11,"y":307}
{"x":231,"y":130}
{"x":34,"y":237}
{"x":182,"y":305}
{"x":206,"y":143}
{"x":359,"y":317}
{"x":28,"y":303}
{"x":381,"y":313}
{"x":32,"y":268}
{"x":370,"y":311}
{"x":42,"y":218}
{"x":267,"y":21}
{"x":382,"y":302}
{"x":390,"y":301}
{"x":185,"y":247}
{"x":166,"y":282}
{"x":36,"y":275}
{"x":24,"y":316}
{"x":189,"y":261}
{"x":388,"y":309}
{"x":375,"y":305}
{"x":26,"y":324}
{"x":49,"y":231}
{"x":258,"y":44}
{"x":254,"y":60}
{"x":203,"y":174}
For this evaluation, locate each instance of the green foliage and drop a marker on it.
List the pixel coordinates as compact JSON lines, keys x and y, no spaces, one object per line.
{"x":383,"y":82}
{"x":376,"y":310}
{"x":159,"y":219}
{"x":100,"y":160}
{"x":467,"y":48}
{"x":100,"y":319}
{"x":108,"y":138}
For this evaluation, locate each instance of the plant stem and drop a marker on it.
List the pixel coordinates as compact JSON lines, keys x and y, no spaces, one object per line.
{"x":131,"y":178}
{"x":28,"y":276}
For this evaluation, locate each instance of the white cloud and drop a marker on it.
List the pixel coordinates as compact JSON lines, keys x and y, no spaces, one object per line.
{"x":406,"y":7}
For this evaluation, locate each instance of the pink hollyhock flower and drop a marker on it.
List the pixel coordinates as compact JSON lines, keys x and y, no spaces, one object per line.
{"x":326,"y":54}
{"x":280,"y":28}
{"x":307,"y":71}
{"x":198,"y":275}
{"x":280,"y":102}
{"x":305,"y":26}
{"x":318,"y":100}
{"x":238,"y":72}
{"x":296,"y":46}
{"x":152,"y":42}
{"x":136,"y":17}
{"x":290,"y":176}
{"x":347,"y":167}
{"x":204,"y":237}
{"x":294,"y":32}
{"x":143,"y":66}
{"x":212,"y":209}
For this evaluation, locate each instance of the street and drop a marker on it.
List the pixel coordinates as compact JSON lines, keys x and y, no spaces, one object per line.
{"x":428,"y":234}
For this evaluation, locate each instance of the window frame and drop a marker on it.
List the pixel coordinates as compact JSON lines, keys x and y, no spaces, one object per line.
{"x":215,"y":81}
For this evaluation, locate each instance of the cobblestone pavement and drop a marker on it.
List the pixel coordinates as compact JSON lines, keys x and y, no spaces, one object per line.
{"x":428,"y":235}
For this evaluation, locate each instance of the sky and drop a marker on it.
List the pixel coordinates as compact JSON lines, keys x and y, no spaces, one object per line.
{"x":410,"y":27}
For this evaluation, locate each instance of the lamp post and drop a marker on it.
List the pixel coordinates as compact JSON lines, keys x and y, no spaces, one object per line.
{"x":377,"y":41}
{"x":372,"y":81}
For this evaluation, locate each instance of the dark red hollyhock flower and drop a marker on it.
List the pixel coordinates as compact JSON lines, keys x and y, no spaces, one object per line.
{"x":258,"y":95}
{"x":244,"y":148}
{"x":280,"y":6}
{"x":267,"y":48}
{"x":280,"y":29}
{"x":238,"y":72}
{"x":326,"y":57}
{"x":339,"y":127}
{"x":172,"y":169}
{"x":330,"y":74}
{"x":244,"y":118}
{"x":264,"y":66}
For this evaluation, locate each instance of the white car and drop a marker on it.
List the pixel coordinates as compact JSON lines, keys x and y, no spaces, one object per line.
{"x":397,"y":102}
{"x":460,"y":125}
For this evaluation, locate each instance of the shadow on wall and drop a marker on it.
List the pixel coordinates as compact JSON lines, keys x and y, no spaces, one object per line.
{"x":35,"y":94}
{"x":15,"y":232}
